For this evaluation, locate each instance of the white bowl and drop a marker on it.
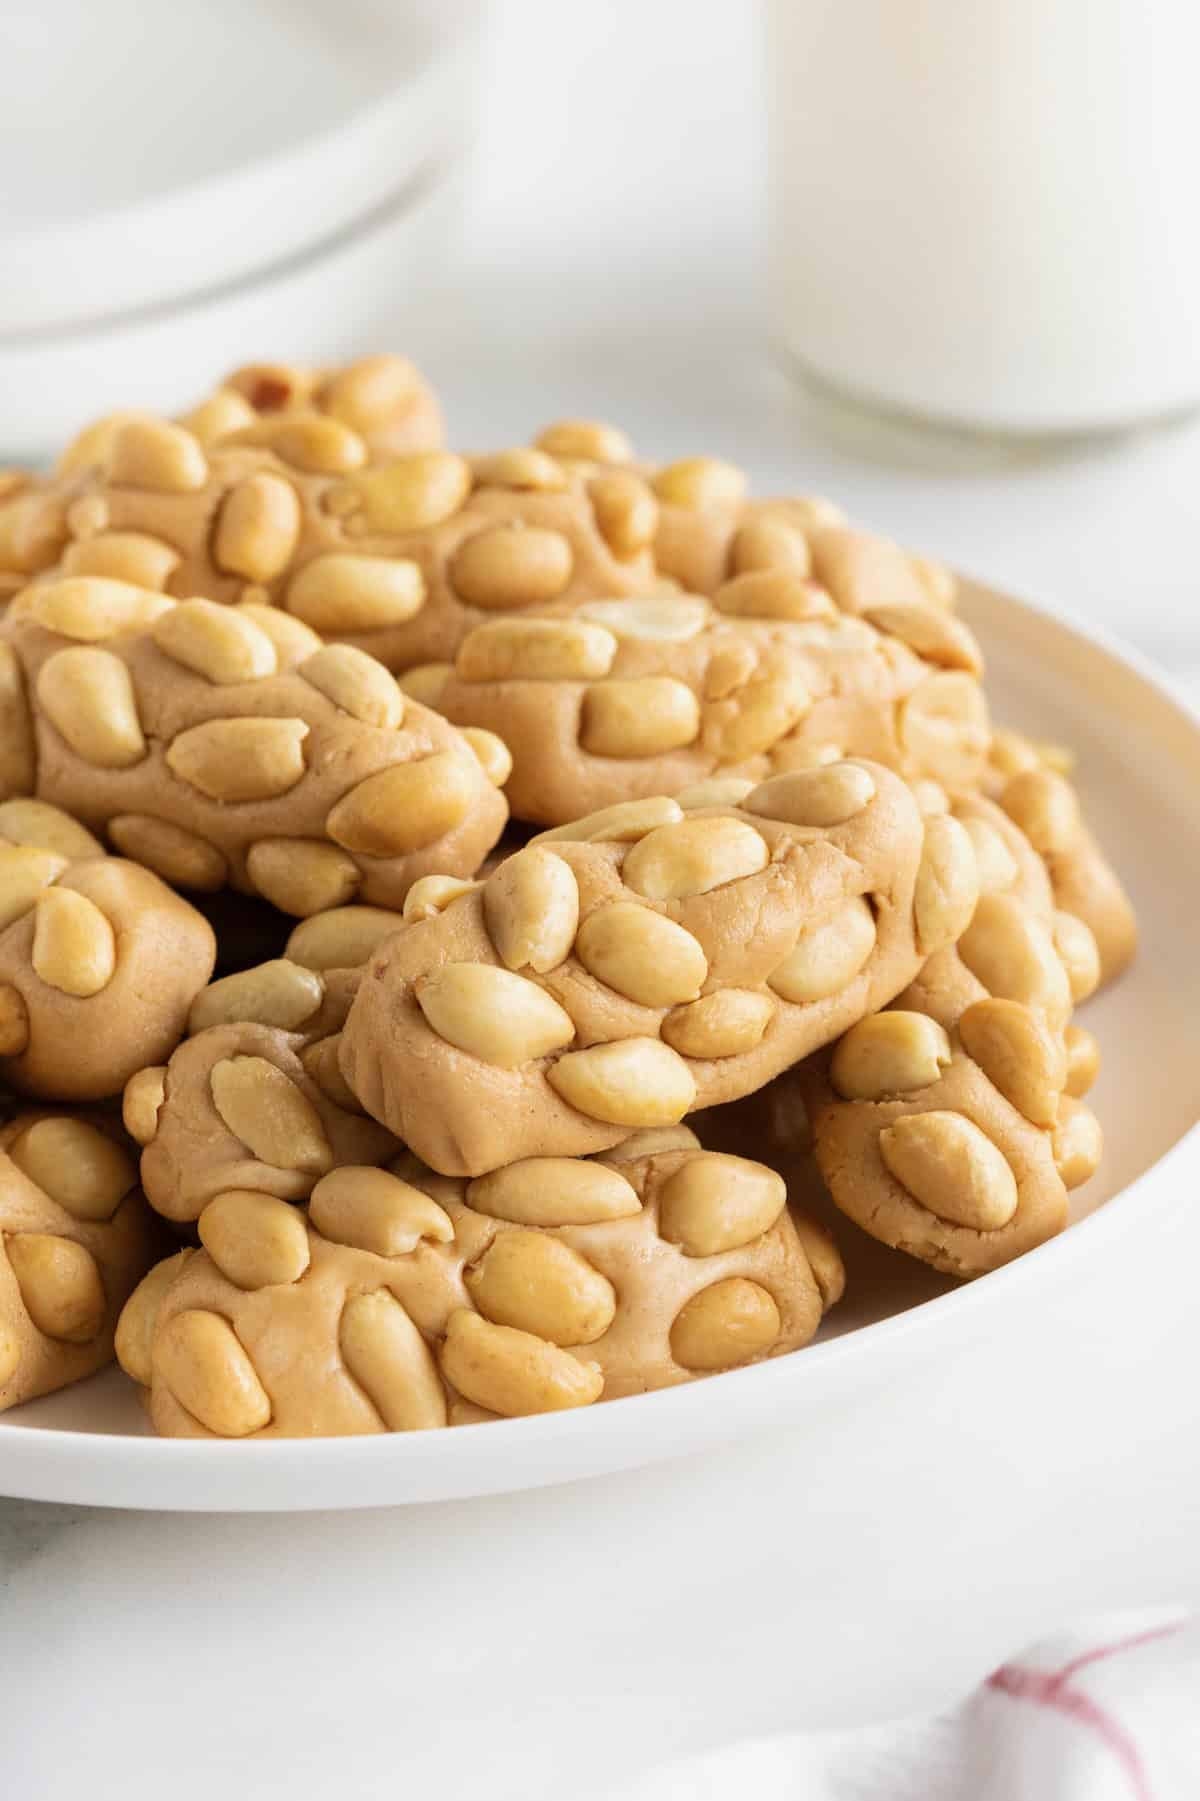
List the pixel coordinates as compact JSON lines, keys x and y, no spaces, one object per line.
{"x":1139,"y":772}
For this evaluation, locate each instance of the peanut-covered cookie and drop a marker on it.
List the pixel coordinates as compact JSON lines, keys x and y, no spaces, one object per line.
{"x":613,"y":700}
{"x":638,"y":963}
{"x":401,"y":1300}
{"x":215,"y":752}
{"x":99,"y":960}
{"x":76,"y":1237}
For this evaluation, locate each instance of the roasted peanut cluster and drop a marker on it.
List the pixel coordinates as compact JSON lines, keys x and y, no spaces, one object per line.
{"x":213,"y":753}
{"x":398,"y":1299}
{"x":76,"y":1237}
{"x":420,"y":1155}
{"x":616,"y":699}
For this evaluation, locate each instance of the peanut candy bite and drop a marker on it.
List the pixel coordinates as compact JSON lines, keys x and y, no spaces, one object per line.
{"x":217,"y":752}
{"x":621,"y":698}
{"x":646,"y":960}
{"x":399,"y":557}
{"x":99,"y":960}
{"x":951,"y":1126}
{"x":401,"y":1300}
{"x":76,"y":1237}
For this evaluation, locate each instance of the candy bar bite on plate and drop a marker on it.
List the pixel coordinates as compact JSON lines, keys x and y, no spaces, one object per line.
{"x":99,"y":960}
{"x":399,"y":1299}
{"x":76,"y":1237}
{"x":615,"y":699}
{"x":622,"y":970}
{"x":213,"y":751}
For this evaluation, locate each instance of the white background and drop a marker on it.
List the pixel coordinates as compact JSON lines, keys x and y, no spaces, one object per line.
{"x":532,"y":1646}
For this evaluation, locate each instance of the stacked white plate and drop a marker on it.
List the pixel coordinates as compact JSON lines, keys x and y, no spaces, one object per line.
{"x":190,"y":186}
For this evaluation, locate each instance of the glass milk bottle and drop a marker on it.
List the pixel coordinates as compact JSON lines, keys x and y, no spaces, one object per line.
{"x":986,"y":213}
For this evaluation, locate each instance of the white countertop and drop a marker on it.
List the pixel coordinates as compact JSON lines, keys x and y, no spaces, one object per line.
{"x":532,"y":1645}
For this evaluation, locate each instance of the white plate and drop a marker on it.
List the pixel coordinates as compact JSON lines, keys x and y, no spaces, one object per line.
{"x":1139,"y":772}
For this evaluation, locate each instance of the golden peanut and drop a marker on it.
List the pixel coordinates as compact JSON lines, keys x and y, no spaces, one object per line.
{"x":511,"y":566}
{"x":828,"y":1270}
{"x":632,"y":1082}
{"x":826,"y":958}
{"x":643,"y":717}
{"x":356,"y":683}
{"x":1083,"y":1060}
{"x":823,"y":797}
{"x":1078,"y":1144}
{"x":762,"y":712}
{"x":726,"y":1324}
{"x":219,"y":416}
{"x":531,"y":470}
{"x":1011,"y":752}
{"x":585,"y":440}
{"x":60,"y":1285}
{"x":1018,"y":1054}
{"x":178,"y":856}
{"x":132,"y":557}
{"x":933,"y":633}
{"x":145,"y":1092}
{"x":414,"y":492}
{"x":318,"y":446}
{"x":320,"y":1062}
{"x":234,"y":760}
{"x":341,"y":592}
{"x":994,"y":860}
{"x":425,"y":682}
{"x":257,"y":528}
{"x":302,"y":876}
{"x":717,"y":791}
{"x":33,"y":530}
{"x":947,"y":886}
{"x":25,"y":874}
{"x":406,"y":806}
{"x":715,"y":1203}
{"x":538,"y":1284}
{"x":774,"y":594}
{"x":642,"y":954}
{"x":492,"y":1014}
{"x":150,"y":453}
{"x":219,"y":643}
{"x":723,"y":1024}
{"x":623,"y":823}
{"x":74,"y":946}
{"x":700,"y":482}
{"x":888,"y":1054}
{"x":89,"y":608}
{"x":14,"y":1021}
{"x":650,"y":618}
{"x":938,"y":582}
{"x":770,"y":544}
{"x":1013,"y":955}
{"x":512,"y":1372}
{"x":943,"y":725}
{"x":198,"y":1356}
{"x":432,"y":895}
{"x":139,"y":1318}
{"x":369,"y":392}
{"x":271,"y":387}
{"x":535,"y":650}
{"x":386,"y":1355}
{"x":77,"y":1165}
{"x":90,"y":448}
{"x":625,"y":510}
{"x":278,"y":993}
{"x":950,"y":1166}
{"x":531,"y":908}
{"x":343,"y":938}
{"x":693,"y":857}
{"x":293,"y":640}
{"x":1079,"y":955}
{"x":265,"y":1110}
{"x":554,"y":1191}
{"x":376,"y":1211}
{"x":88,"y":697}
{"x":18,"y":757}
{"x":1044,"y":806}
{"x":653,"y":1141}
{"x":39,"y":825}
{"x":930,"y":797}
{"x":254,"y":1239}
{"x":491,"y":752}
